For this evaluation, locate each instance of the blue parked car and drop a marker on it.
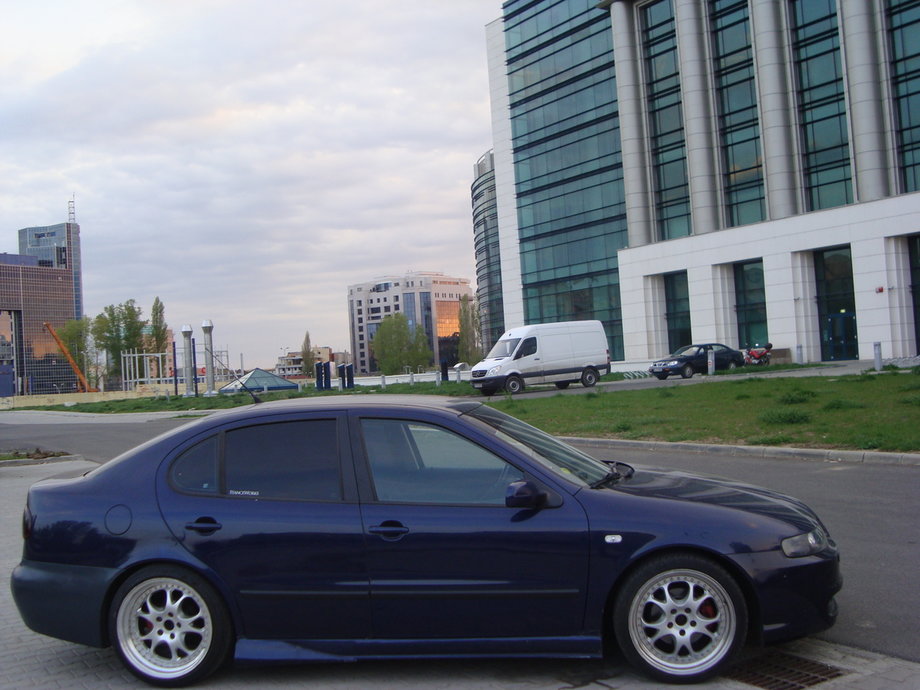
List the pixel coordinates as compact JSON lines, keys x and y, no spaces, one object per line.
{"x":371,"y":527}
{"x":694,"y":359}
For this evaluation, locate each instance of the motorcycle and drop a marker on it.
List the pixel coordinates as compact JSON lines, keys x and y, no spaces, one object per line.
{"x":759,"y":354}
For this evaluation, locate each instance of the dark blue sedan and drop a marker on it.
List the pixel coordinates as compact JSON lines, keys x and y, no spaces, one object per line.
{"x":694,"y":359}
{"x":372,"y":527}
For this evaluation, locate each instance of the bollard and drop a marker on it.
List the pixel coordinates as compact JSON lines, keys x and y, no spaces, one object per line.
{"x":383,"y":381}
{"x":710,"y":362}
{"x":799,"y":355}
{"x":877,"y":352}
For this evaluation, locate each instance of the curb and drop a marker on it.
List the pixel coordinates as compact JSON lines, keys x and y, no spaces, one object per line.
{"x":765,"y":452}
{"x":20,"y":462}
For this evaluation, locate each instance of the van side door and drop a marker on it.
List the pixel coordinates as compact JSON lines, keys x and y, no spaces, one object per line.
{"x":529,"y":360}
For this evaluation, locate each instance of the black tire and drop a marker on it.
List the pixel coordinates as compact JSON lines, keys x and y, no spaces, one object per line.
{"x":514,"y":384}
{"x":589,"y":377}
{"x":562,"y":385}
{"x":686,"y":372}
{"x":732,"y":365}
{"x":169,"y":626}
{"x":661,"y":377}
{"x":487,"y":391}
{"x":680,"y":618}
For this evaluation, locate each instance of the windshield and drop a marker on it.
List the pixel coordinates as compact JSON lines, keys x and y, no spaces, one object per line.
{"x":545,"y":449}
{"x":686,"y":351}
{"x":503,"y":348}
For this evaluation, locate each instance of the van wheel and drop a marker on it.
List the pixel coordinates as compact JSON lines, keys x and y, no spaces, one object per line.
{"x":589,"y":377}
{"x":514,"y":384}
{"x":562,"y":385}
{"x":487,"y":391}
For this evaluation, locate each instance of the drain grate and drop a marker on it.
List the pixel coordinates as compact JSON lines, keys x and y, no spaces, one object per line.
{"x":780,"y":671}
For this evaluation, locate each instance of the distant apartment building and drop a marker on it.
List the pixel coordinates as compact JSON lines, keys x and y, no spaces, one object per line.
{"x":428,"y":300}
{"x":290,"y":364}
{"x":42,"y":284}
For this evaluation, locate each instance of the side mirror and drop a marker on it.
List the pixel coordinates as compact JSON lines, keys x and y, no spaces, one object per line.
{"x":524,"y":494}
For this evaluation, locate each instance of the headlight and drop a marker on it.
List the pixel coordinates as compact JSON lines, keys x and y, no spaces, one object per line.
{"x":672,"y":363}
{"x":805,"y":544}
{"x":494,"y":370}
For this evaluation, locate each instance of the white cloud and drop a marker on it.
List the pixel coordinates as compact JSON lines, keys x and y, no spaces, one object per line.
{"x":246,"y":161}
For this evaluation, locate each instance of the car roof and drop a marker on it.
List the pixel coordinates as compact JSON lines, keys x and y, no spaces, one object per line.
{"x":359,"y":401}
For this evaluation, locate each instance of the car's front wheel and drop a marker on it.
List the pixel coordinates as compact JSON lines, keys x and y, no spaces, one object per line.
{"x":661,"y":377}
{"x":169,"y":626}
{"x":514,"y":384}
{"x":680,"y":618}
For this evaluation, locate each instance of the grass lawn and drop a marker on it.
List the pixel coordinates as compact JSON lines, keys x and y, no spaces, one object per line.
{"x":868,"y":411}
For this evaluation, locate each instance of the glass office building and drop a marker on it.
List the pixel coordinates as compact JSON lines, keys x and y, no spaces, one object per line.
{"x":42,"y":284}
{"x":699,"y":170}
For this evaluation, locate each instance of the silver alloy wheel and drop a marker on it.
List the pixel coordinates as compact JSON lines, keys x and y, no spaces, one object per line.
{"x":682,"y":622}
{"x":164,"y":628}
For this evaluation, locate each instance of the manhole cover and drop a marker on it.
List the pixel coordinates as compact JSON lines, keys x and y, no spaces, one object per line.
{"x":780,"y":671}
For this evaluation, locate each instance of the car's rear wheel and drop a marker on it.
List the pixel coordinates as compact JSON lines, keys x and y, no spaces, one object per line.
{"x":589,"y":377}
{"x":169,"y":626}
{"x":686,"y":372}
{"x":732,"y":365}
{"x":680,"y":618}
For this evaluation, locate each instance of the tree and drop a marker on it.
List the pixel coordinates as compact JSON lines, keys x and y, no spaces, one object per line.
{"x":390,"y":345}
{"x":419,"y":354}
{"x":306,"y":353}
{"x":469,"y":349}
{"x":76,"y":335}
{"x":157,"y":339}
{"x":119,"y":328}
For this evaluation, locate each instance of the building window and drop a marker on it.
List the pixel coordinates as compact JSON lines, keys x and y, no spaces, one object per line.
{"x":736,"y":105}
{"x":836,"y":304}
{"x":904,"y":49}
{"x":750,"y":304}
{"x":667,"y":143}
{"x":821,"y":104}
{"x":677,"y":310}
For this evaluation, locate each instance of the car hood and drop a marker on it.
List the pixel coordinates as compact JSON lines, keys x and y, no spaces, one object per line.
{"x":717,"y":491}
{"x":489,"y":363}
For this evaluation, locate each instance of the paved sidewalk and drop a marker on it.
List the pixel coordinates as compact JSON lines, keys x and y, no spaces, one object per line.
{"x":29,"y":660}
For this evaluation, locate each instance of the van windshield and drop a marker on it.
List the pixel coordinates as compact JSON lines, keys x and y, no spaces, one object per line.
{"x":503,"y":348}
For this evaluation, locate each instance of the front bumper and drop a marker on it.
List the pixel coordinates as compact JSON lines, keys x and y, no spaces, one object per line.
{"x":63,"y":601}
{"x":795,"y":596}
{"x":489,"y":382}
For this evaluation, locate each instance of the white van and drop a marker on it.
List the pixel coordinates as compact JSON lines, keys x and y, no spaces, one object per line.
{"x":560,"y":353}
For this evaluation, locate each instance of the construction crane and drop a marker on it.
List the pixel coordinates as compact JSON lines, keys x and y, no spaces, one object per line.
{"x":82,"y":384}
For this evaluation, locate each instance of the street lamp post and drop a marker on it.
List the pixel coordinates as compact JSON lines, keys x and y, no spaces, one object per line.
{"x":208,"y":327}
{"x":187,"y":360}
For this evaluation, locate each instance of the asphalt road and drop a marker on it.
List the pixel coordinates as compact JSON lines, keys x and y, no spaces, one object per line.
{"x":869,"y":509}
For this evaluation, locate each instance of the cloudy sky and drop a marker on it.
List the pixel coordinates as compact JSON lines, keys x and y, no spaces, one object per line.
{"x":246,"y":160}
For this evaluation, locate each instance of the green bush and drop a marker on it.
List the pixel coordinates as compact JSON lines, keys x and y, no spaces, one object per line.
{"x":796,"y":397}
{"x":781,"y":416}
{"x":839,"y":404}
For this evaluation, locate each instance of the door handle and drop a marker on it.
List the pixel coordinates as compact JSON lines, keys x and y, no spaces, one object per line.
{"x":203,"y":525}
{"x":390,"y":530}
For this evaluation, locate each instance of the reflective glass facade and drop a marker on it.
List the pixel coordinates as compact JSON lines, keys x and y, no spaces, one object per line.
{"x":568,"y":171}
{"x":677,"y":310}
{"x":904,"y":49}
{"x":836,"y":303}
{"x":667,"y":143}
{"x":750,"y":304}
{"x":488,"y":259}
{"x":41,"y":284}
{"x":821,"y":103}
{"x":736,"y":104}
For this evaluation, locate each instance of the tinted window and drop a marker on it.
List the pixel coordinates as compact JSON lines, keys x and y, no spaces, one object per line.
{"x":528,"y":347}
{"x":290,"y":460}
{"x":420,"y":463}
{"x":196,"y":469}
